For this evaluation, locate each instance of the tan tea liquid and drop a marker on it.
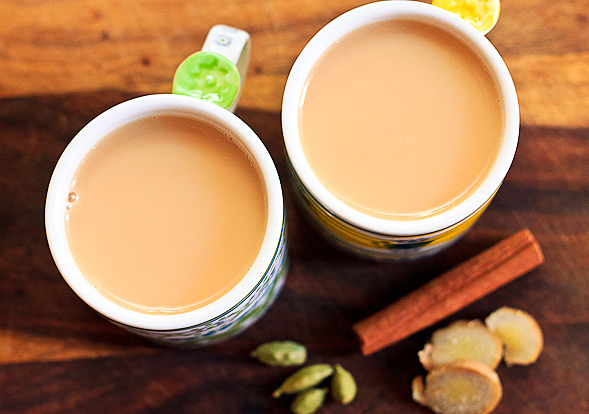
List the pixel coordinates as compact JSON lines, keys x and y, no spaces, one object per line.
{"x":400,"y":120}
{"x":166,"y":215}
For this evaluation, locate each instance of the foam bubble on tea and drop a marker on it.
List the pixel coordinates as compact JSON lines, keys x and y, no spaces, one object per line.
{"x":400,"y":120}
{"x":165,"y":215}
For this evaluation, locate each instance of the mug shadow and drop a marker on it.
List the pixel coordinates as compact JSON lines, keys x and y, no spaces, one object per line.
{"x":326,"y":291}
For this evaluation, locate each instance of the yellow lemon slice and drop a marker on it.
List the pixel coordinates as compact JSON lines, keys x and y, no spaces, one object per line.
{"x":482,"y":14}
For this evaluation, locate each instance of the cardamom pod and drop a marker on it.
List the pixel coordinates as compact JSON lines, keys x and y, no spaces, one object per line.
{"x":304,"y":378}
{"x":280,"y":353}
{"x":343,"y":386}
{"x":309,"y":401}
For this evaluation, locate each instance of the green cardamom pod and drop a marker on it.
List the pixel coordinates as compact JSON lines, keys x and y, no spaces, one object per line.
{"x":309,"y":401}
{"x":343,"y":386}
{"x":280,"y":353}
{"x":304,"y":378}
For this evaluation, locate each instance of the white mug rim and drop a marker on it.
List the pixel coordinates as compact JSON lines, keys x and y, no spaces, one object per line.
{"x":92,"y":133}
{"x":406,"y":10}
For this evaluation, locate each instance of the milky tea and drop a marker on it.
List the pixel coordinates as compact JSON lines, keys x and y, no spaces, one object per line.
{"x":400,"y":120}
{"x":165,"y":215}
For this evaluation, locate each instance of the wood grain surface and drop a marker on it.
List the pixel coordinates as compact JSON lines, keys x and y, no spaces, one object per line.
{"x":63,"y":62}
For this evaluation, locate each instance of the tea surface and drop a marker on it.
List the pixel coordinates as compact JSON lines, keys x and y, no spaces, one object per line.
{"x":400,"y":120}
{"x":166,"y":215}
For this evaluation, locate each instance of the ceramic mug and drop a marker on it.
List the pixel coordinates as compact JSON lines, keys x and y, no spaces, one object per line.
{"x":245,"y":302}
{"x":361,"y":233}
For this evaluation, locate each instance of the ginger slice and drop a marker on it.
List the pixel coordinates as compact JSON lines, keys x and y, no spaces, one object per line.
{"x":520,"y":334}
{"x":462,"y":387}
{"x":462,"y":340}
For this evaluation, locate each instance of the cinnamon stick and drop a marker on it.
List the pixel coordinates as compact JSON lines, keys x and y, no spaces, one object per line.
{"x":450,"y":292}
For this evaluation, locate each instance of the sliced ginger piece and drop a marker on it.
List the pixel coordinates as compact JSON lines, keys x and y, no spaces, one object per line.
{"x":520,"y":334}
{"x":462,"y":387}
{"x":462,"y":340}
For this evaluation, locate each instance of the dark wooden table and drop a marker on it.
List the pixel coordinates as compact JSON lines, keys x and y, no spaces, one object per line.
{"x":64,"y":62}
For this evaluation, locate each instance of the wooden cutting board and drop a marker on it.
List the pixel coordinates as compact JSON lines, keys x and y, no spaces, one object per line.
{"x":63,"y":62}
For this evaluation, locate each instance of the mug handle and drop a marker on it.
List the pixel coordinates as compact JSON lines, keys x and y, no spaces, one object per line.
{"x":216,"y":73}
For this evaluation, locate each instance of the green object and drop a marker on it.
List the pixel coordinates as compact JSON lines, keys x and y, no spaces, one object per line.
{"x":309,"y":401}
{"x":209,"y":76}
{"x":304,"y":378}
{"x":343,"y":386}
{"x":280,"y":353}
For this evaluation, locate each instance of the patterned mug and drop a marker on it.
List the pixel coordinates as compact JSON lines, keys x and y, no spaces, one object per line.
{"x":357,"y":231}
{"x":219,"y":71}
